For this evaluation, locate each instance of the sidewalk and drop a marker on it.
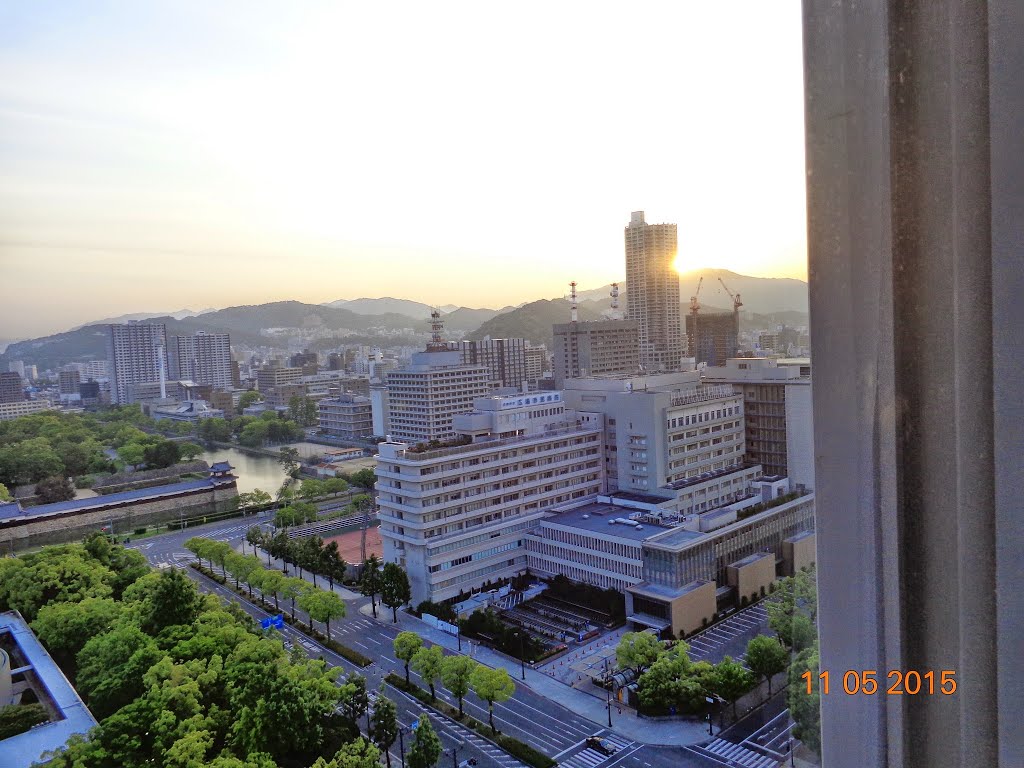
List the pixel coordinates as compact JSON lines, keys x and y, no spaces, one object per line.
{"x":657,"y":732}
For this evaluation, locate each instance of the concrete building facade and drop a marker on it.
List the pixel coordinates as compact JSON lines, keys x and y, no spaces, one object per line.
{"x":425,"y":396}
{"x":457,"y":517}
{"x":11,"y":389}
{"x":596,"y":348}
{"x":714,"y":338}
{"x":136,"y":353}
{"x":653,"y":296}
{"x":204,"y":358}
{"x":347,"y":416}
{"x":505,"y":358}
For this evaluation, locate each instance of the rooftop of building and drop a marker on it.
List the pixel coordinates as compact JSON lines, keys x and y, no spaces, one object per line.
{"x":704,"y":477}
{"x":663,"y":591}
{"x":800,"y":536}
{"x":26,"y":748}
{"x":605,"y":519}
{"x":678,"y":535}
{"x":751,"y":559}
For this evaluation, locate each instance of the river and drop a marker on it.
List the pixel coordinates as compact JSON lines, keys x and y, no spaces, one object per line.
{"x":253,"y":471}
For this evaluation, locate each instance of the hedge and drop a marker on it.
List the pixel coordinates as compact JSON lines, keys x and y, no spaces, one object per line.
{"x":509,"y":744}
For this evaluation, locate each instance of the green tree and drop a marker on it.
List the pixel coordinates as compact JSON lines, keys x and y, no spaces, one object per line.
{"x":131,"y":454}
{"x":174,"y":600}
{"x":456,"y":672}
{"x":805,"y":708}
{"x":370,"y":581}
{"x":426,"y":662}
{"x":254,"y":435}
{"x":731,"y":681}
{"x":303,"y":411}
{"x":214,"y":430}
{"x":111,"y":667}
{"x":355,"y":754}
{"x":425,"y":750}
{"x":311,"y":489}
{"x":5,"y":495}
{"x":492,"y":685}
{"x":364,"y":478}
{"x":405,"y":645}
{"x":269,"y":581}
{"x":292,"y":589}
{"x":189,"y":451}
{"x":323,"y":606}
{"x":358,"y":702}
{"x":54,"y":489}
{"x":638,"y":650}
{"x":65,"y":627}
{"x":793,"y":608}
{"x":662,"y":685}
{"x":164,"y":454}
{"x":248,"y":398}
{"x":200,"y":547}
{"x":384,"y":726}
{"x":288,"y":458}
{"x":394,"y":588}
{"x":335,"y":485}
{"x":331,"y":564}
{"x":766,"y":657}
{"x":15,"y":720}
{"x":55,"y":574}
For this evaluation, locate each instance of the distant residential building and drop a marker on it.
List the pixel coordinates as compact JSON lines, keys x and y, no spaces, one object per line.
{"x":136,"y":353}
{"x":31,"y":372}
{"x":96,"y":369}
{"x":303,"y":359}
{"x":777,"y":414}
{"x":505,"y":358}
{"x":714,"y":338}
{"x":379,"y":410}
{"x":653,"y":296}
{"x":346,"y":416}
{"x":224,"y":401}
{"x":595,"y":348}
{"x":426,"y":395}
{"x":456,"y":517}
{"x":11,"y":387}
{"x":89,"y":392}
{"x":13,"y":410}
{"x":18,"y":367}
{"x":536,"y":363}
{"x":335,"y":362}
{"x":68,"y":381}
{"x":204,"y":358}
{"x":271,"y":376}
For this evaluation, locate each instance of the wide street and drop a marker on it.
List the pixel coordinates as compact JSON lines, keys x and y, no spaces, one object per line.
{"x":529,"y":717}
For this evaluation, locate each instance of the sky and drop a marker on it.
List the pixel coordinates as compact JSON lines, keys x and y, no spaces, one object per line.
{"x":162,"y":155}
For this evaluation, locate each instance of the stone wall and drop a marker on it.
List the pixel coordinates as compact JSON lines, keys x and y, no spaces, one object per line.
{"x":126,"y":515}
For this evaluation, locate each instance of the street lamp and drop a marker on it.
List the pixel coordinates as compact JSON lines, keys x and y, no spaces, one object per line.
{"x":522,"y":655}
{"x":460,"y":744}
{"x":401,"y":745}
{"x":792,"y":756}
{"x":608,"y":689}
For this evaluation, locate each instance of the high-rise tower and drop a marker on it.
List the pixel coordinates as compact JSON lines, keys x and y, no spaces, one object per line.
{"x":652,"y":297}
{"x":135,"y":352}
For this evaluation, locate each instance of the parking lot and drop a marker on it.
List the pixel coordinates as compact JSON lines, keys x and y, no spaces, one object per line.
{"x":730,"y":637}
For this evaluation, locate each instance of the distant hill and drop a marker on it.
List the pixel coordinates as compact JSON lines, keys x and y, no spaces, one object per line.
{"x":181,"y":314}
{"x":532,"y":321}
{"x":244,"y":323}
{"x":383,"y":306}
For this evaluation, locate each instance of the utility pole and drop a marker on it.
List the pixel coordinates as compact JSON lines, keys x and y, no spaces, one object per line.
{"x":608,"y":691}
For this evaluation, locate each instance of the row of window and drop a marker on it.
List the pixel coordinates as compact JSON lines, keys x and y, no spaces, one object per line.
{"x":480,"y":574}
{"x":481,"y":555}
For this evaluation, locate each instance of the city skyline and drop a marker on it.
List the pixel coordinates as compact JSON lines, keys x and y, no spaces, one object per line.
{"x":144,"y":147}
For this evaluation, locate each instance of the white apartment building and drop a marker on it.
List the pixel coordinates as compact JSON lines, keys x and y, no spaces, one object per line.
{"x":346,"y":416}
{"x":204,"y":358}
{"x":669,"y":440}
{"x":136,"y":353}
{"x":426,"y":395}
{"x":456,"y":517}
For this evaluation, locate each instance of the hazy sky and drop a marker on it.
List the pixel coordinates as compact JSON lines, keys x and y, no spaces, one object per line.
{"x":155,"y":155}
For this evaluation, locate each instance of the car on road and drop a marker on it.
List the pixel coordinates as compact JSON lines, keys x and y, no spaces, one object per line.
{"x":601,"y":745}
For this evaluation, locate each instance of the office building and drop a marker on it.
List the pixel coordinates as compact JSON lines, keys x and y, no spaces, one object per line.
{"x":136,"y":353}
{"x":89,"y":392}
{"x":303,"y":359}
{"x":712,"y":338}
{"x":670,"y":439}
{"x":95,"y":369}
{"x":777,"y":414}
{"x":536,"y":363}
{"x":347,"y":416}
{"x":455,"y":517}
{"x":271,"y":376}
{"x":653,"y":296}
{"x":597,"y":348}
{"x":12,"y":410}
{"x":505,"y":359}
{"x":11,"y":388}
{"x":426,"y":395}
{"x":68,"y":381}
{"x":204,"y":358}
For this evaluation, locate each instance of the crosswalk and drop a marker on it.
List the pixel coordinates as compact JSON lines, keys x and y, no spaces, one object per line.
{"x":734,"y":755}
{"x":591,"y":758}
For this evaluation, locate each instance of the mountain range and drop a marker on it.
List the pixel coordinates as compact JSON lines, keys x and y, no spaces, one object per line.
{"x":766,"y":302}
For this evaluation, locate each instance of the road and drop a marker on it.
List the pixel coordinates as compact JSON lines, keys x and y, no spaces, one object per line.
{"x":529,"y":717}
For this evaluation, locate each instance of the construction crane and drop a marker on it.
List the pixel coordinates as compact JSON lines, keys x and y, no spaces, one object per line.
{"x":694,"y":309}
{"x":736,"y":303}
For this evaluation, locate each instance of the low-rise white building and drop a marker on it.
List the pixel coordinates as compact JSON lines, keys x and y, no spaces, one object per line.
{"x":346,"y":416}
